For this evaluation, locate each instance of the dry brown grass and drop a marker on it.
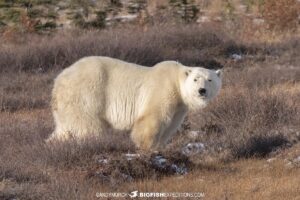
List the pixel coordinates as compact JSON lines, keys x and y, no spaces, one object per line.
{"x":39,"y":54}
{"x":208,"y":45}
{"x":281,"y":14}
{"x":247,"y":179}
{"x":25,"y":91}
{"x":255,"y":117}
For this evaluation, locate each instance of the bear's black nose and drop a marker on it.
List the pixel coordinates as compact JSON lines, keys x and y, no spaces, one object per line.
{"x":202,"y":91}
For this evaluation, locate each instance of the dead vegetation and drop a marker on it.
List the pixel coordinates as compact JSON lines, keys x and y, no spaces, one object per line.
{"x":255,"y":117}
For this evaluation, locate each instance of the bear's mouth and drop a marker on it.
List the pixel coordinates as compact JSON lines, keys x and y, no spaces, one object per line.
{"x":202,"y":97}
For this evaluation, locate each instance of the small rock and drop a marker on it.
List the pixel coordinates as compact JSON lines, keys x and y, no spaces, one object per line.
{"x":179,"y":170}
{"x":236,"y":57}
{"x":193,"y":134}
{"x":162,"y":164}
{"x":103,"y":161}
{"x":297,"y":160}
{"x":193,"y":148}
{"x":271,"y":160}
{"x":159,"y":161}
{"x":289,"y":144}
{"x":131,"y":156}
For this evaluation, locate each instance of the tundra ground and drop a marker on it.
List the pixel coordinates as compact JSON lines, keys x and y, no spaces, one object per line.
{"x":250,"y":133}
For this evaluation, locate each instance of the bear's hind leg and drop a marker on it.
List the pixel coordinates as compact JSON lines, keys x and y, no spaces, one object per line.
{"x":77,"y":125}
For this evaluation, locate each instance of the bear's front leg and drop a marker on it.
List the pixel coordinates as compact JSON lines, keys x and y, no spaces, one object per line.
{"x":145,"y":132}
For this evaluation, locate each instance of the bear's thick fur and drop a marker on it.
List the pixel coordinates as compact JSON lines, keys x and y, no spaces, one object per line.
{"x":98,"y":93}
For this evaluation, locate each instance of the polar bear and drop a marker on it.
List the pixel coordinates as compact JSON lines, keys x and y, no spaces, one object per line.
{"x":97,"y":93}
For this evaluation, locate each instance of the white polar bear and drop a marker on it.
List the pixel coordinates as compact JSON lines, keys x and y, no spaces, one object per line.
{"x":98,"y":93}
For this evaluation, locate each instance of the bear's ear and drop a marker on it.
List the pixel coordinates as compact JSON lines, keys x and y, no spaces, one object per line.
{"x":219,"y":73}
{"x":187,"y":72}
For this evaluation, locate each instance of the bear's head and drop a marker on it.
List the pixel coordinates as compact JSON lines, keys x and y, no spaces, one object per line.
{"x":199,"y":86}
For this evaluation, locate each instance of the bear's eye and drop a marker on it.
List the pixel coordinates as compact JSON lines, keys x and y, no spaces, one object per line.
{"x":209,"y":80}
{"x":195,"y":80}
